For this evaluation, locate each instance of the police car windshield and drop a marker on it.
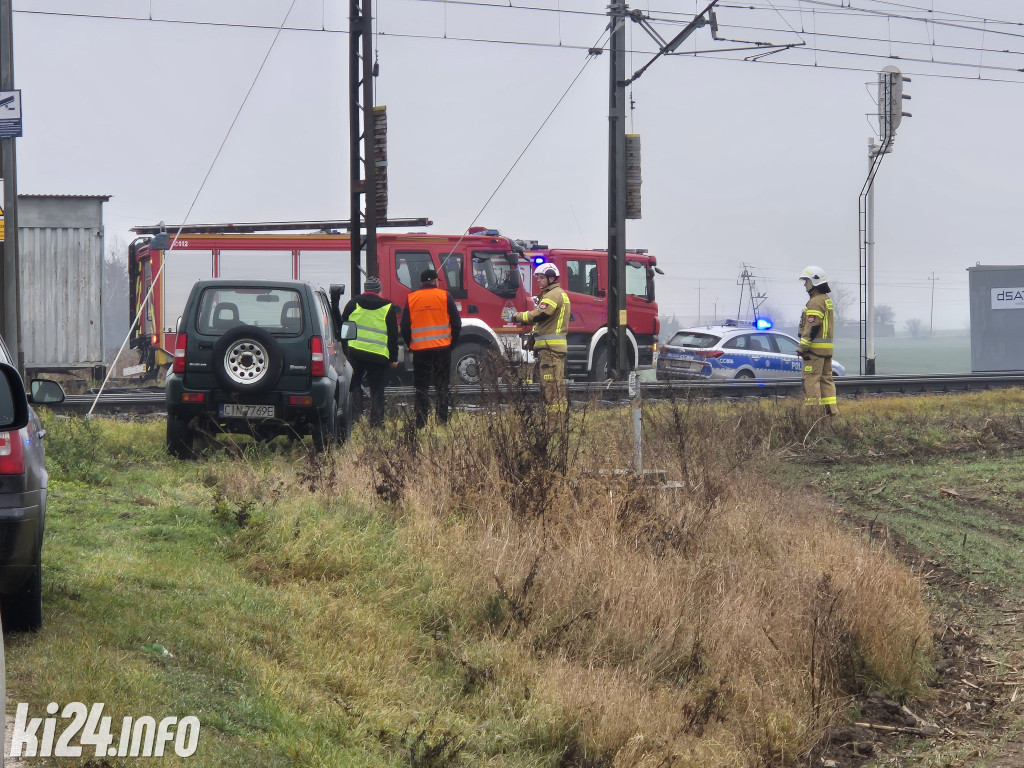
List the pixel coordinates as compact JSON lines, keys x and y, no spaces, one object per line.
{"x":693,"y":339}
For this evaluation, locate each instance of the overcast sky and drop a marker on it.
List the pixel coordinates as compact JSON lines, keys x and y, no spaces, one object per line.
{"x":744,"y":162}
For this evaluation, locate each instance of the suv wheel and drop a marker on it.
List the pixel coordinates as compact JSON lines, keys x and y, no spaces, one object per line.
{"x":180,"y":437}
{"x":247,"y":359}
{"x":23,"y":612}
{"x":325,"y":432}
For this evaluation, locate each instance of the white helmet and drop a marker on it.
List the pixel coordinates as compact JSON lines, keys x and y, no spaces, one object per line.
{"x":815,"y":274}
{"x":545,"y":270}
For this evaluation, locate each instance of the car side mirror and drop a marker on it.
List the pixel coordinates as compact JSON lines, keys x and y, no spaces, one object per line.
{"x":336,"y":292}
{"x":348,"y":330}
{"x":46,"y":392}
{"x":13,"y":401}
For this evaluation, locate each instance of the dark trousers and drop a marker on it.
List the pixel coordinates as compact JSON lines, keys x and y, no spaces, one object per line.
{"x":432,"y":368}
{"x":376,"y":376}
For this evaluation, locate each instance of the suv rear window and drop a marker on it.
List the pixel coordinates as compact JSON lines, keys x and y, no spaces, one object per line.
{"x":698,"y":340}
{"x":278,"y":310}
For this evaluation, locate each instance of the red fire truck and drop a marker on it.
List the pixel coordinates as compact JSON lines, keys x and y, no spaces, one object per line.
{"x":484,"y":271}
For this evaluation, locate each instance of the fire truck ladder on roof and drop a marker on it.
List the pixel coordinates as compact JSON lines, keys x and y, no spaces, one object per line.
{"x":326,"y":227}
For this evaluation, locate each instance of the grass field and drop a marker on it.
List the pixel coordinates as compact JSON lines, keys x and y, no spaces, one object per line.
{"x":942,"y":353}
{"x":497,"y":593}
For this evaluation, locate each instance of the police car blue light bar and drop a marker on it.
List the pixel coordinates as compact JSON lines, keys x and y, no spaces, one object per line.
{"x":763,"y":323}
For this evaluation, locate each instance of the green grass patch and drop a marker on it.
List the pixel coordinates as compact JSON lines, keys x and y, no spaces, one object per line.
{"x":479,"y":596}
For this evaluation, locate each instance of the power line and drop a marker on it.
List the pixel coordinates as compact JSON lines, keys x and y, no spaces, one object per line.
{"x":713,"y":54}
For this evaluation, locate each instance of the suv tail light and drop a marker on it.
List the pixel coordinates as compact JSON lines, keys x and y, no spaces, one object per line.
{"x":318,"y":363}
{"x":709,"y":353}
{"x":12,"y":455}
{"x":179,"y":353}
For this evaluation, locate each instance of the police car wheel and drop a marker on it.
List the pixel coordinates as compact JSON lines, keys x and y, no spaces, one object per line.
{"x":747,"y":375}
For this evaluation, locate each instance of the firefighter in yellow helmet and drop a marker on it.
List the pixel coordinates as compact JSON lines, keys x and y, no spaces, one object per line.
{"x":551,"y":324}
{"x":816,"y":341}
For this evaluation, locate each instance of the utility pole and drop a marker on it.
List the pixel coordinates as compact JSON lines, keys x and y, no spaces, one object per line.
{"x":618,"y":12}
{"x":617,"y":366}
{"x":362,"y":163}
{"x":931,"y":314}
{"x":10,"y":269}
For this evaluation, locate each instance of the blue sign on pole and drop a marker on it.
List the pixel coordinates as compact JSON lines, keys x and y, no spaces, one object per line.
{"x":10,"y":114}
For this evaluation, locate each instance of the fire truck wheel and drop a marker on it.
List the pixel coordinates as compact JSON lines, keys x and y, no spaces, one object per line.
{"x":599,"y":370}
{"x":471,"y":364}
{"x":247,"y":359}
{"x":180,"y":438}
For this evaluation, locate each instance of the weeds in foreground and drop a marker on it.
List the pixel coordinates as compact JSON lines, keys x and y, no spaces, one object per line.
{"x":463,"y":617}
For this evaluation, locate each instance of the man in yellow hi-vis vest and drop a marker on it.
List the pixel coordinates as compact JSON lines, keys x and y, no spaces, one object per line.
{"x":816,"y":341}
{"x":551,"y":324}
{"x":374,"y":350}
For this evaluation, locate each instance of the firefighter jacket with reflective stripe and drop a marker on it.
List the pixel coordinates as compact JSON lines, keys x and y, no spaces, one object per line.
{"x":430,"y":319}
{"x":816,"y":325}
{"x":377,"y":338}
{"x":550,"y":319}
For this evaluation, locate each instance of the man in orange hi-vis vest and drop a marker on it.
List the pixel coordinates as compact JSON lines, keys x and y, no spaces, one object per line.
{"x":430,"y":326}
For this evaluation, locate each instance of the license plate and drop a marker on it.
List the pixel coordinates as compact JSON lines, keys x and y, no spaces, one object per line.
{"x":238,"y":410}
{"x":683,"y":365}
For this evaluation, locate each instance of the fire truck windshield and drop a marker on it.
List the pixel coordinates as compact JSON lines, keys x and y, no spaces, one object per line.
{"x":492,"y":270}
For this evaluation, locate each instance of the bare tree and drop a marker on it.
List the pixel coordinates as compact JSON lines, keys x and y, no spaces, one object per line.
{"x":844,"y":301}
{"x":915,"y":327}
{"x":115,"y":294}
{"x":885,"y":314}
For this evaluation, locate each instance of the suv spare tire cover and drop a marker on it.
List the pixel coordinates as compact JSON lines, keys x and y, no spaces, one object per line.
{"x":247,"y":359}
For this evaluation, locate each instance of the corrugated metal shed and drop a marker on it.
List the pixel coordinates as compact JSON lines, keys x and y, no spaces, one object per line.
{"x":61,"y":252}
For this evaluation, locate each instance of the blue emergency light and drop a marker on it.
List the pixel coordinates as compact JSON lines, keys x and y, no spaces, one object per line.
{"x":763,"y":323}
{"x":538,"y":260}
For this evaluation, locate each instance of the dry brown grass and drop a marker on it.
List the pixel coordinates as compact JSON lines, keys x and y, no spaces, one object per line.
{"x":725,"y":624}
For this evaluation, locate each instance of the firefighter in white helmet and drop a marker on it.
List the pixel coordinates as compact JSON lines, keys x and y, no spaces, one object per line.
{"x":551,"y":324}
{"x":816,"y":341}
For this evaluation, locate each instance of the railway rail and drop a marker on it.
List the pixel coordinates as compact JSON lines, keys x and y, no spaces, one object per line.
{"x":151,"y":400}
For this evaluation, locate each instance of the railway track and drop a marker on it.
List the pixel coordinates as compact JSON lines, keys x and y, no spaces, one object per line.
{"x":151,"y":401}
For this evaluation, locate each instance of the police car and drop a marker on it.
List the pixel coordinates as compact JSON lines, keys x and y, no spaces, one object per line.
{"x":732,"y":351}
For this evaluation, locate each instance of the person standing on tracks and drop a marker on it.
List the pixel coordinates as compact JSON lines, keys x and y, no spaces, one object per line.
{"x":551,"y":324}
{"x":374,"y":350}
{"x":816,"y":343}
{"x":430,"y":326}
